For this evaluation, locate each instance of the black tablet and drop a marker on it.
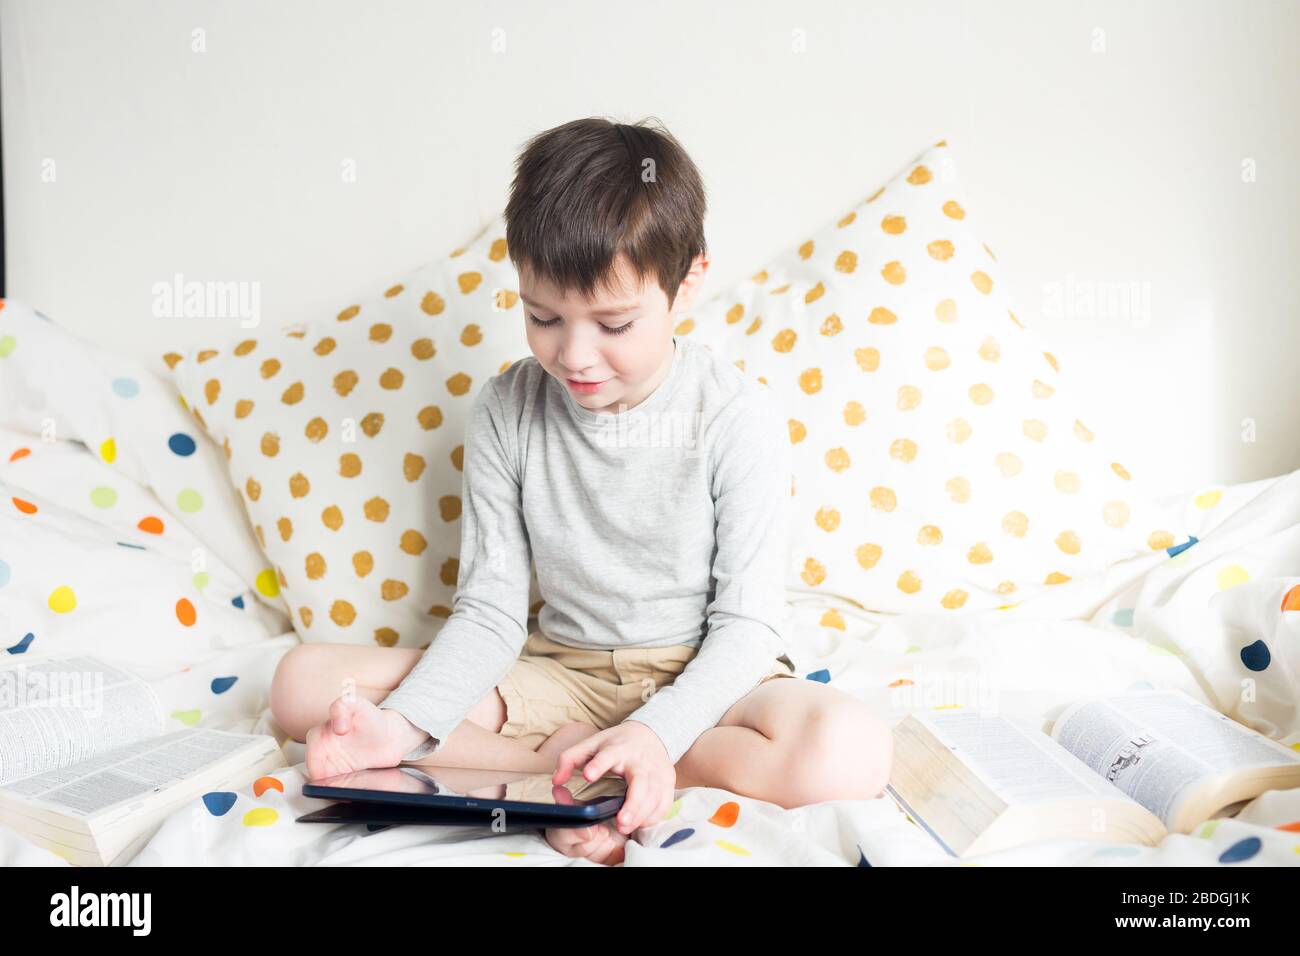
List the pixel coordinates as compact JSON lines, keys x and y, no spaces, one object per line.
{"x":478,"y":796}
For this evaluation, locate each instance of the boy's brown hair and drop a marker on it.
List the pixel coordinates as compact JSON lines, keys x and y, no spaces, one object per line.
{"x":590,"y":189}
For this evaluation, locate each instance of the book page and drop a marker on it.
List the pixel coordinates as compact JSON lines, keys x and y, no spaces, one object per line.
{"x":57,"y":713}
{"x":130,"y":772}
{"x":1020,"y":765}
{"x":1157,"y":745}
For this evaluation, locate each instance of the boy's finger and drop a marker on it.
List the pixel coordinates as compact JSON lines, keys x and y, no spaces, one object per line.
{"x":575,"y":756}
{"x":629,"y":815}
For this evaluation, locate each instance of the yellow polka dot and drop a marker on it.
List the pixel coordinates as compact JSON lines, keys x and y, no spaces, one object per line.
{"x":260,"y":817}
{"x":471,"y":335}
{"x":267,"y":583}
{"x":831,"y":325}
{"x":868,"y":359}
{"x":909,"y":582}
{"x":881,"y":316}
{"x":981,"y":282}
{"x":953,"y":210}
{"x":315,"y":566}
{"x":883,"y":499}
{"x":784,"y":340}
{"x":392,"y":589}
{"x":958,"y":489}
{"x":316,"y":429}
{"x":412,"y":466}
{"x":1056,"y":577}
{"x":430,"y":417}
{"x":868,"y":555}
{"x":812,"y":295}
{"x":386,"y":637}
{"x":837,"y":460}
{"x":846,"y":261}
{"x":305,"y":615}
{"x":810,"y":380}
{"x":929,"y":534}
{"x":946,"y":311}
{"x":902,"y":449}
{"x":979,"y":553}
{"x":243,"y":408}
{"x":253,"y":489}
{"x":270,"y":444}
{"x":459,"y":383}
{"x":936,"y":358}
{"x":62,"y":600}
{"x":1068,"y":542}
{"x":940,"y":250}
{"x":798,"y":431}
{"x":1115,"y":514}
{"x":1043,"y":390}
{"x":285,"y":527}
{"x":212,"y":390}
{"x":345,"y":381}
{"x":363,"y":562}
{"x":1015,"y":523}
{"x":833,"y":618}
{"x":349,"y":313}
{"x":806,"y":250}
{"x":1230,"y":576}
{"x":376,"y":509}
{"x":919,"y":176}
{"x":1067,"y":482}
{"x":108,"y":450}
{"x":813,"y":573}
{"x":1208,"y":499}
{"x":449,"y":507}
{"x":413,"y":542}
{"x":423,"y":349}
{"x":828,"y":519}
{"x":980,"y":394}
{"x":909,"y":396}
{"x":989,"y":350}
{"x":1120,"y":470}
{"x":1035,"y":429}
{"x":894,"y":225}
{"x":958,"y":430}
{"x":954,"y":599}
{"x":342,"y":613}
{"x":325,"y":346}
{"x":432,"y":304}
{"x":854,"y":413}
{"x":332,"y":518}
{"x":1009,"y":464}
{"x":894,"y":273}
{"x":391,"y":379}
{"x":299,"y":486}
{"x":349,"y":465}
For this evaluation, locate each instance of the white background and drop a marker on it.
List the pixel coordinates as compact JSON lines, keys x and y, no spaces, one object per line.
{"x":1098,"y":143}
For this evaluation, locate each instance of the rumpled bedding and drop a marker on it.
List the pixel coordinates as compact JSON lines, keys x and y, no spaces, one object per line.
{"x":100,"y":557}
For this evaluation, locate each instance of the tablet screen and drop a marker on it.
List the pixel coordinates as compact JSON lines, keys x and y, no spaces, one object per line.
{"x":471,"y":789}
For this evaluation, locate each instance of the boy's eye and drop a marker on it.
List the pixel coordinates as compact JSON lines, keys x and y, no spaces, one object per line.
{"x":612,"y":331}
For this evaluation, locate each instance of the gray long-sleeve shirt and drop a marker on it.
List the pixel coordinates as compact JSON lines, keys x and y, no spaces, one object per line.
{"x":662,"y":524}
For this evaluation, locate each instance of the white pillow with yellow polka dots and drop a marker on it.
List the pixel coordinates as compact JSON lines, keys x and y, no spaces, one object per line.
{"x":938,"y":464}
{"x":345,"y":437}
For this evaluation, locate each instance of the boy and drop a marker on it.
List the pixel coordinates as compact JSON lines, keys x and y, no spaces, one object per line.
{"x":649,"y":482}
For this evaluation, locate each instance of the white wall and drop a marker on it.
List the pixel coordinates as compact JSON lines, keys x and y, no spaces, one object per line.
{"x":1086,"y":167}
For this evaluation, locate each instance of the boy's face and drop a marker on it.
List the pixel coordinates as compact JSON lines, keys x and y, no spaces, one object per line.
{"x":578,"y":341}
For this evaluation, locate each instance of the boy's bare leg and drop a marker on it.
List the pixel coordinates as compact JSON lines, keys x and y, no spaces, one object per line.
{"x":312,"y":676}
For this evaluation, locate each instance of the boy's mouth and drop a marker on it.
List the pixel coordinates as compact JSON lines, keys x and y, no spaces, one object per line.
{"x":584,"y":387}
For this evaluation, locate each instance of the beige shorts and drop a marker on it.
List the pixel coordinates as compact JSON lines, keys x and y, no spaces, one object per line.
{"x":553,"y":684}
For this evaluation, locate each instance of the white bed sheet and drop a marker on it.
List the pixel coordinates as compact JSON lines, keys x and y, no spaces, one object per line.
{"x":1192,"y":621}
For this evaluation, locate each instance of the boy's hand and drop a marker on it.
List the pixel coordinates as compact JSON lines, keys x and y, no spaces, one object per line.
{"x":634,"y":752}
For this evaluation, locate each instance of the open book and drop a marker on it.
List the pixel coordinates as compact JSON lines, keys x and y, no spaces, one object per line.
{"x":1125,"y":768}
{"x":85,"y":769}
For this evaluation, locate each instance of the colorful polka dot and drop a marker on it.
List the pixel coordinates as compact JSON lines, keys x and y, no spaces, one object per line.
{"x":108,"y":450}
{"x":185,"y":612}
{"x":62,"y":600}
{"x":189,"y":500}
{"x":260,"y":817}
{"x":181,"y":444}
{"x":21,"y":646}
{"x":103,"y":497}
{"x":219,"y":802}
{"x":267,"y":584}
{"x":151,"y":525}
{"x":126,"y":387}
{"x":222,"y":684}
{"x":7,"y":345}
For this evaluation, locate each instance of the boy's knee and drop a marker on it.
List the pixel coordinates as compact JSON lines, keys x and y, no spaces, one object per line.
{"x":843,"y":752}
{"x":287,"y":691}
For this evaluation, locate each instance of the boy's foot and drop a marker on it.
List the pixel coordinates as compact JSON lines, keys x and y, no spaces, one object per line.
{"x":600,"y":842}
{"x":358,"y":735}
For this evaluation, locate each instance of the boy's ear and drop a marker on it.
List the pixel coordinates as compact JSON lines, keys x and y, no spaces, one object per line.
{"x":690,"y":286}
